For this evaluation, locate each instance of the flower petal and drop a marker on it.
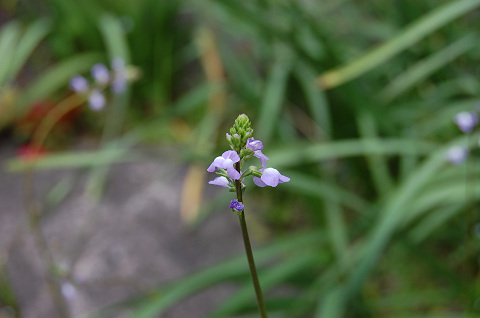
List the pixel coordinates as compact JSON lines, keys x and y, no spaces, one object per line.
{"x":262,"y":157}
{"x":218,"y":162}
{"x":234,"y":204}
{"x":220,"y":181}
{"x":232,"y":155}
{"x":259,"y":182}
{"x":232,"y":173}
{"x":254,"y":145}
{"x":283,"y":179}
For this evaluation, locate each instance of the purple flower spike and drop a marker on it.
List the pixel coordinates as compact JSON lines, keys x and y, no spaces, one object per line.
{"x":234,"y":204}
{"x":456,"y":154}
{"x":78,"y":84}
{"x":220,"y":181}
{"x":270,"y":177}
{"x":100,"y":73}
{"x":226,"y":162}
{"x":96,"y":100}
{"x":466,"y":121}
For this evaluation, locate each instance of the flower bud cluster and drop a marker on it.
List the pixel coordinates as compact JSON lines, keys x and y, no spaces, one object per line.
{"x":228,"y":166}
{"x":466,"y":122}
{"x":116,"y":78}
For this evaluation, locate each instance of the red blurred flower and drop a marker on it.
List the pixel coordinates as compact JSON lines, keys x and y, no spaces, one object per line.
{"x":30,"y":152}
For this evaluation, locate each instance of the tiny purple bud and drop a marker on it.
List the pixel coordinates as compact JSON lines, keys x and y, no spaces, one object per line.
{"x":235,"y":205}
{"x":456,"y":154}
{"x":96,"y":100}
{"x":466,"y":121}
{"x":100,"y":73}
{"x":78,"y":84}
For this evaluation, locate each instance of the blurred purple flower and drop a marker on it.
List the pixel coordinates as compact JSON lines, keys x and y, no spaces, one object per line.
{"x":466,"y":121}
{"x":220,"y":181}
{"x":96,"y":100}
{"x":119,"y":82}
{"x":270,"y":177}
{"x":456,"y":154}
{"x":226,"y":161}
{"x":100,"y":73}
{"x":234,"y":204}
{"x":78,"y":84}
{"x":68,"y":291}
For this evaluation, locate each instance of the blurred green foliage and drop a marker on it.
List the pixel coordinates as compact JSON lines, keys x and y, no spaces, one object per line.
{"x":354,"y":101}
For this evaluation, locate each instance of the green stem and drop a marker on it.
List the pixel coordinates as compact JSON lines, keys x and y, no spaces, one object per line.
{"x":248,"y":250}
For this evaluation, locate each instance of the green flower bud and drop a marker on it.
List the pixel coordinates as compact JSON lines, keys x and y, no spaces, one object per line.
{"x":240,"y":130}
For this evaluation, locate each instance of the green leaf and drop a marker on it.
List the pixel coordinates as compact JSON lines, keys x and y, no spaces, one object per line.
{"x":74,"y":159}
{"x":432,"y":21}
{"x":157,"y":303}
{"x":27,"y":43}
{"x":9,"y":36}
{"x":426,"y":67}
{"x":298,"y":154}
{"x":273,"y":98}
{"x":114,"y":38}
{"x":268,"y":279}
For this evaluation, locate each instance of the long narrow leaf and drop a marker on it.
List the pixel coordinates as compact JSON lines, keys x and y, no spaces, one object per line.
{"x":412,"y":34}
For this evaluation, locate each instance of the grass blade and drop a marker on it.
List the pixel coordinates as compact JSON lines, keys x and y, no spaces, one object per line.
{"x":410,"y":35}
{"x":27,"y":43}
{"x":272,"y":101}
{"x":426,"y":67}
{"x":9,"y":36}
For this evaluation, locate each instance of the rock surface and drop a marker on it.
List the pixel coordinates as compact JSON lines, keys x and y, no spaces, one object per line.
{"x":129,"y":242}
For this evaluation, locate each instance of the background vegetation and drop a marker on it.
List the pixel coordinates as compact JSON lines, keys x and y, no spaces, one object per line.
{"x":354,"y":99}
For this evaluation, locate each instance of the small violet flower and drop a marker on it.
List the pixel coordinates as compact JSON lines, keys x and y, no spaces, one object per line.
{"x":119,"y":82}
{"x":78,"y":84}
{"x":100,"y":73}
{"x":68,"y":291}
{"x":220,"y":181}
{"x":270,"y":177}
{"x":235,"y":205}
{"x":96,"y":100}
{"x":456,"y":154}
{"x":466,"y":121}
{"x":256,"y":146}
{"x":226,"y":162}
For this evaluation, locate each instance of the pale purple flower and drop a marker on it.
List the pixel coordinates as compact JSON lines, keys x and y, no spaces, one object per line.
{"x":466,"y":121}
{"x":96,"y":100}
{"x":256,"y":146}
{"x":100,"y":73}
{"x":78,"y":84}
{"x":456,"y":154}
{"x":68,"y":291}
{"x":119,"y":82}
{"x":220,"y":181}
{"x":226,"y":162}
{"x":270,"y":177}
{"x":234,"y":204}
